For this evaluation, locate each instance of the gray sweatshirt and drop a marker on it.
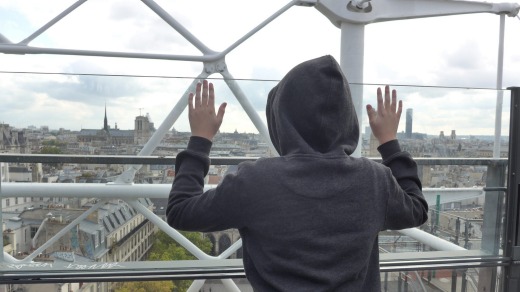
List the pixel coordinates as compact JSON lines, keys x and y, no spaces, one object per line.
{"x":308,"y":219}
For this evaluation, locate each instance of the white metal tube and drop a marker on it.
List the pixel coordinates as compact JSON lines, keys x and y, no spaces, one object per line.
{"x":86,"y":190}
{"x":22,"y":49}
{"x":351,"y":61}
{"x":7,"y":258}
{"x":248,"y":108}
{"x":4,"y":40}
{"x":135,"y":191}
{"x":233,"y":248}
{"x":230,"y":285}
{"x":33,"y":241}
{"x":172,"y":117}
{"x":259,"y":27}
{"x":500,"y":93}
{"x":128,"y":176}
{"x":63,"y":231}
{"x":53,"y":21}
{"x":179,"y":238}
{"x":430,"y":240}
{"x":174,"y":234}
{"x":196,"y":286}
{"x":177,"y":26}
{"x":160,"y":191}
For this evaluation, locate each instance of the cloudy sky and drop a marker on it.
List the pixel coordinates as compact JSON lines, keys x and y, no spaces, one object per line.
{"x":444,"y":68}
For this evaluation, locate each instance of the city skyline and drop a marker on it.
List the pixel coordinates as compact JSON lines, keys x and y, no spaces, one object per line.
{"x":75,"y":99}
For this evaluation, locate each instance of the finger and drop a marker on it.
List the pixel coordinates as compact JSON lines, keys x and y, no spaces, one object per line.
{"x":379,"y":101}
{"x":221,"y":112}
{"x":204,"y":97}
{"x":190,"y":104}
{"x":394,"y":101}
{"x":197,"y":102}
{"x":399,"y":110}
{"x":211,"y":97}
{"x":387,"y":97}
{"x":371,"y":113}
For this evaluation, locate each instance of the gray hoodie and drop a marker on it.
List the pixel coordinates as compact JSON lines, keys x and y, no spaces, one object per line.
{"x":309,"y":219}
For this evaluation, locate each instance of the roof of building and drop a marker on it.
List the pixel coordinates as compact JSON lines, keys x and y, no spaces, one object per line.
{"x":111,"y":132}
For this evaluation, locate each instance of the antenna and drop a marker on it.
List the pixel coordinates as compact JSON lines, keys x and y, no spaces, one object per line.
{"x":141,"y":108}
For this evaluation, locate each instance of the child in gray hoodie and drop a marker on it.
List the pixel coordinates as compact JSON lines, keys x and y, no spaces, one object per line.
{"x":309,"y":219}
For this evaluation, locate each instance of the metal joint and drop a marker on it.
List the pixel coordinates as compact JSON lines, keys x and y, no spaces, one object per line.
{"x":363,"y":6}
{"x":218,"y":66}
{"x":306,"y":3}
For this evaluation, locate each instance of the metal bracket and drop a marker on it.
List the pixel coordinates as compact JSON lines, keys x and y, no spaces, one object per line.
{"x":218,"y":66}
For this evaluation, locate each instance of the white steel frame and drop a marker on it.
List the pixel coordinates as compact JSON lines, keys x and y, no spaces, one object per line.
{"x":351,"y":22}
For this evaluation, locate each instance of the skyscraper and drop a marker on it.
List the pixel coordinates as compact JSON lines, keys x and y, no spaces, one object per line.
{"x":409,"y":121}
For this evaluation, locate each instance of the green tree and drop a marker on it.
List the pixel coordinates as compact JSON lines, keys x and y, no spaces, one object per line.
{"x":50,"y":150}
{"x":151,"y":286}
{"x":53,"y":143}
{"x":166,"y":249}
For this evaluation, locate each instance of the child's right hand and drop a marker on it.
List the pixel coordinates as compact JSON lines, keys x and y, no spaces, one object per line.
{"x":385,"y":120}
{"x":204,"y":121}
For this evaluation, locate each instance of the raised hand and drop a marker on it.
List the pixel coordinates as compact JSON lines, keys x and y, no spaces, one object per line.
{"x":204,"y":122}
{"x":385,"y":120}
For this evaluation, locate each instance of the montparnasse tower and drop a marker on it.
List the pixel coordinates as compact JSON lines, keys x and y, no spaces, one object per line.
{"x":409,"y":123}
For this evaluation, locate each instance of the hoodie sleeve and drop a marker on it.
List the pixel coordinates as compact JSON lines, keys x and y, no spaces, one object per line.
{"x":406,"y":206}
{"x":189,"y":207}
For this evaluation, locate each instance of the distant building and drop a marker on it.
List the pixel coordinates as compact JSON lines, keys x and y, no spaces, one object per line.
{"x":453,"y":136}
{"x":114,"y":233}
{"x":409,"y":122}
{"x":12,"y":140}
{"x":143,"y":129}
{"x":114,"y":137}
{"x":20,"y":174}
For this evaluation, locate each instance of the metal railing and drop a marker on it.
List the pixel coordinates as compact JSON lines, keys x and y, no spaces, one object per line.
{"x":452,"y":256}
{"x":352,"y":25}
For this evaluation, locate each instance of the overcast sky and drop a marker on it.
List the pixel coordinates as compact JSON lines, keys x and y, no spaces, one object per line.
{"x":453,"y":51}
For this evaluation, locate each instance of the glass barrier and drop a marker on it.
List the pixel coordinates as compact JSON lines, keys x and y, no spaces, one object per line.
{"x":463,"y":280}
{"x":433,"y":280}
{"x":69,"y":212}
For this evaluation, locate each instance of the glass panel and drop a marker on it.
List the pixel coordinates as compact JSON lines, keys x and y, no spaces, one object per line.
{"x":441,"y":280}
{"x":450,"y":133}
{"x":455,"y":280}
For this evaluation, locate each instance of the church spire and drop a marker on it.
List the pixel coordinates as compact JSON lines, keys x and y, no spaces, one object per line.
{"x":105,"y":125}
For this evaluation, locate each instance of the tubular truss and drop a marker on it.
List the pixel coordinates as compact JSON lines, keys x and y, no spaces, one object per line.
{"x":207,"y":267}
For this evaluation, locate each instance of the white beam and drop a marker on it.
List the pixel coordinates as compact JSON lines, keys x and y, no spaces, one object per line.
{"x":430,"y":240}
{"x":388,"y":10}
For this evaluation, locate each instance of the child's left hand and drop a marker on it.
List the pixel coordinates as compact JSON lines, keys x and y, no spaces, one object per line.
{"x":204,"y":122}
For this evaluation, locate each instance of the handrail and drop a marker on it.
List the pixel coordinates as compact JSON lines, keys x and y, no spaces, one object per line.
{"x":200,"y":269}
{"x":164,"y":160}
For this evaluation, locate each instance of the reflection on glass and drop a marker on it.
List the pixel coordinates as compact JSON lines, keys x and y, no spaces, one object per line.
{"x":101,"y":115}
{"x":463,"y":280}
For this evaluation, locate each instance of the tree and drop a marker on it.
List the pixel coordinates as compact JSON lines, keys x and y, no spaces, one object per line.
{"x":53,"y":143}
{"x":150,"y":286}
{"x":50,"y":150}
{"x":166,"y":249}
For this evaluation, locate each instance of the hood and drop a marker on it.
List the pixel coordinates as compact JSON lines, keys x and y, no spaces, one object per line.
{"x":311,"y":111}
